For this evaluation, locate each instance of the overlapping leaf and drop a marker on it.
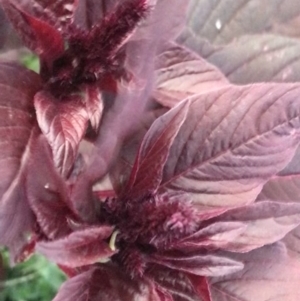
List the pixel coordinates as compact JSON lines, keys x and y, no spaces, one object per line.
{"x":235,"y":139}
{"x":246,"y":228}
{"x":106,"y":283}
{"x":269,"y":274}
{"x":64,"y":124}
{"x":80,"y":248}
{"x":285,"y":187}
{"x":18,"y":87}
{"x":176,"y":283}
{"x":181,"y":73}
{"x":221,"y":21}
{"x":154,"y":150}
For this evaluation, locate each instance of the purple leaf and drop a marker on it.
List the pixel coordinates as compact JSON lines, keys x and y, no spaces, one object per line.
{"x":154,"y":150}
{"x":82,"y":247}
{"x":200,"y":265}
{"x":269,"y":274}
{"x":222,"y":21}
{"x":18,"y":85}
{"x":63,"y":122}
{"x":181,"y":73}
{"x":46,"y":193}
{"x":106,"y":283}
{"x":266,"y":222}
{"x":257,"y":58}
{"x":235,"y":139}
{"x":36,"y":34}
{"x":284,"y":187}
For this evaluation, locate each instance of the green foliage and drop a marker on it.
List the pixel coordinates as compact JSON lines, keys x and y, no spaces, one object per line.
{"x":33,"y":280}
{"x":31,"y":61}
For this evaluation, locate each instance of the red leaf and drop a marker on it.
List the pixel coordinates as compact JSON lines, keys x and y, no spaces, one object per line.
{"x":181,"y":73}
{"x":236,"y":138}
{"x":269,"y":274}
{"x":154,"y":150}
{"x":201,"y":286}
{"x":36,"y":34}
{"x":17,"y":88}
{"x":82,"y":247}
{"x":106,"y":283}
{"x":63,"y":122}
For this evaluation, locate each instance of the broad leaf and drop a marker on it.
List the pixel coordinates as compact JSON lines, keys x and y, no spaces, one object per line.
{"x":222,"y":21}
{"x":285,"y":187}
{"x":256,"y":58}
{"x":154,"y":150}
{"x":266,"y":222}
{"x":17,"y":122}
{"x":269,"y":274}
{"x":80,"y":248}
{"x":200,"y":265}
{"x":63,"y":122}
{"x":181,"y":73}
{"x":47,"y":193}
{"x":106,"y":283}
{"x":235,"y":139}
{"x":36,"y":34}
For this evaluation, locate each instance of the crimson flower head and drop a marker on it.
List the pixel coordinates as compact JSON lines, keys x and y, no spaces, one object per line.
{"x":188,"y":156}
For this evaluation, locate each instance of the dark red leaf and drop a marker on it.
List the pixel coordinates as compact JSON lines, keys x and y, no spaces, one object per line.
{"x":106,"y":283}
{"x":182,"y":73}
{"x":235,"y":139}
{"x":82,"y":247}
{"x":36,"y":34}
{"x":269,"y":274}
{"x":176,"y":283}
{"x":17,"y":88}
{"x":154,"y":150}
{"x":46,"y":192}
{"x":63,"y":122}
